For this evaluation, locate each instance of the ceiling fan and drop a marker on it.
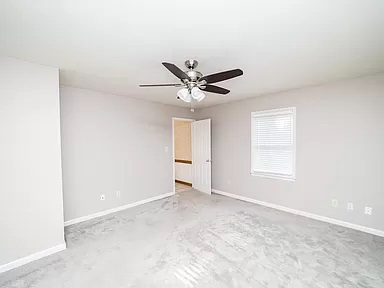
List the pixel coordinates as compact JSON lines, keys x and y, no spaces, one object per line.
{"x":195,"y":83}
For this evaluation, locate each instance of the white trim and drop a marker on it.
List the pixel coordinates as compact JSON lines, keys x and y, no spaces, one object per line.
{"x":183,"y":119}
{"x":305,"y":214}
{"x":274,"y":112}
{"x":273,"y":176}
{"x":32,"y":257}
{"x":173,"y":148}
{"x":117,"y":209}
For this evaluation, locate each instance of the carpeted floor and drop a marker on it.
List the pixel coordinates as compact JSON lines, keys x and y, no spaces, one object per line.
{"x":180,"y":188}
{"x":196,"y":240}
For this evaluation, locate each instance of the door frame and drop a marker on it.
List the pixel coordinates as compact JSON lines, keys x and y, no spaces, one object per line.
{"x":173,"y":147}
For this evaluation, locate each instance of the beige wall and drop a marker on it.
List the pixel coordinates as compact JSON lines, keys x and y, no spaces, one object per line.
{"x":340,"y":140}
{"x":31,"y":199}
{"x":183,"y":142}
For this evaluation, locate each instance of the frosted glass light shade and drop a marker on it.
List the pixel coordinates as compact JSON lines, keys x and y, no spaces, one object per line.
{"x":197,"y":94}
{"x":184,"y":95}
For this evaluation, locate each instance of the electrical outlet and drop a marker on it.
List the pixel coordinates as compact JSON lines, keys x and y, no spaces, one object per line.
{"x":350,"y":206}
{"x":102,"y":197}
{"x":166,"y":149}
{"x":368,"y":210}
{"x":118,"y":193}
{"x":229,"y":182}
{"x":335,"y":203}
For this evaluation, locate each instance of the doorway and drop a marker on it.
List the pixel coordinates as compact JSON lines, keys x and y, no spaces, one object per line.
{"x":182,"y":154}
{"x":191,"y":142}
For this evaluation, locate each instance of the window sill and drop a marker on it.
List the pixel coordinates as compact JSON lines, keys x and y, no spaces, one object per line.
{"x":263,"y":175}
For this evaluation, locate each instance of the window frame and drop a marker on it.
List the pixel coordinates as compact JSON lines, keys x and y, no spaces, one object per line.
{"x":275,"y":112}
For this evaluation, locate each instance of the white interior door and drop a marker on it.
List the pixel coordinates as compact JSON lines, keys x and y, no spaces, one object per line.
{"x":201,"y":154}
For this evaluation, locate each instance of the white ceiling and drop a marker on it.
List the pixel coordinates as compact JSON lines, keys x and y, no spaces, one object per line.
{"x":115,"y":45}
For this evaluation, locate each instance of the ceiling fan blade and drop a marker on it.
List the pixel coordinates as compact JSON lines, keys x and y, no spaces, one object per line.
{"x":161,"y":85}
{"x":215,"y":89}
{"x":176,"y":71}
{"x":221,"y":76}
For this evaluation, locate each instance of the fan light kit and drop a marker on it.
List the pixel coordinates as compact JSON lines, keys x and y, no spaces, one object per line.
{"x":194,"y":83}
{"x":186,"y":95}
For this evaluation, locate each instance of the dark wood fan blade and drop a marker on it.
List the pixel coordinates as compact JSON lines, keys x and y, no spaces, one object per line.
{"x":161,"y":85}
{"x":215,"y":89}
{"x":176,"y":71}
{"x":221,"y":76}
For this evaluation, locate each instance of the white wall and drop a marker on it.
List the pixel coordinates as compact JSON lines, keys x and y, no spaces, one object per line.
{"x":31,"y":204}
{"x":340,"y":142}
{"x":114,"y":143}
{"x":183,"y":172}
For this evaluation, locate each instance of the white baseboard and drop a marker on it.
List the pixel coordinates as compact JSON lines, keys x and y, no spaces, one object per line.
{"x":33,"y":257}
{"x":117,"y":209}
{"x":305,"y":214}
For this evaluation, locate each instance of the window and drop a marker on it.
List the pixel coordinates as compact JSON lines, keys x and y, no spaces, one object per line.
{"x":273,"y":141}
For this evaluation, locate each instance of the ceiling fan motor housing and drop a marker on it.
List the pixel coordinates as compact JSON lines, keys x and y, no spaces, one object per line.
{"x":194,"y":75}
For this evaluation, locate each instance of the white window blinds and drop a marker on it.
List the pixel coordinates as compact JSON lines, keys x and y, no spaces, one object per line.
{"x":273,"y":143}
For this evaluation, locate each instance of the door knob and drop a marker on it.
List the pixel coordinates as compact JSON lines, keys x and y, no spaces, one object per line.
{"x":208,"y":161}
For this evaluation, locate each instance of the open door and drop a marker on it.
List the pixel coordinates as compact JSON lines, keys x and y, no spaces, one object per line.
{"x":201,"y":154}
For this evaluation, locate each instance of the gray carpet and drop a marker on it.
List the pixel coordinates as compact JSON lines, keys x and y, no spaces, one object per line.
{"x":196,"y":240}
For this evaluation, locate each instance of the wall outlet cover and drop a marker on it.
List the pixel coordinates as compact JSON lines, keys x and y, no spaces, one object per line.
{"x":335,"y":203}
{"x":350,"y":206}
{"x":102,"y":197}
{"x":368,"y":210}
{"x":118,"y":193}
